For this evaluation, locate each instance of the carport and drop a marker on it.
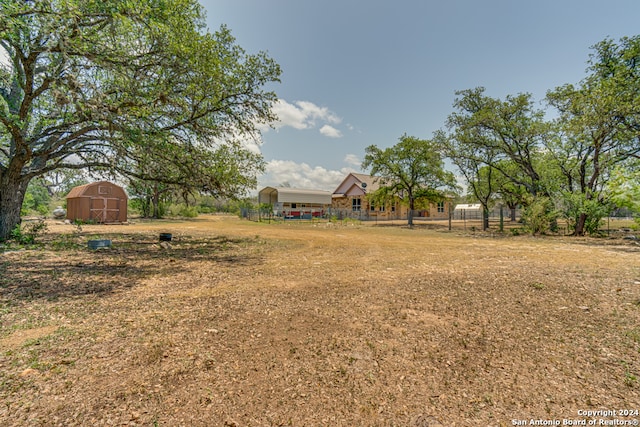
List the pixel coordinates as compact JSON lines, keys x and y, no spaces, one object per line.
{"x":295,"y":203}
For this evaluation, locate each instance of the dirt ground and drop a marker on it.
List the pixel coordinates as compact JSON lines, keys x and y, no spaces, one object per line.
{"x":311,"y":324}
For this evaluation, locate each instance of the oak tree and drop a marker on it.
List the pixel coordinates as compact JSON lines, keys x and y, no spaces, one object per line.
{"x":599,"y":119}
{"x":411,"y":170}
{"x":90,"y":84}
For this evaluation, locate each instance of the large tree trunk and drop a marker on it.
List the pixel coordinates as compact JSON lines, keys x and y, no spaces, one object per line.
{"x":580,"y":223}
{"x":12,"y":191}
{"x":513,"y":213}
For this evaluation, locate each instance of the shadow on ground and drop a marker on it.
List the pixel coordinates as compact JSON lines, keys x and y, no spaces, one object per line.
{"x":63,"y":266}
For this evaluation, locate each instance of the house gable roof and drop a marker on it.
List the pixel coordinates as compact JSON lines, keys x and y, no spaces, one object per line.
{"x":357,"y":184}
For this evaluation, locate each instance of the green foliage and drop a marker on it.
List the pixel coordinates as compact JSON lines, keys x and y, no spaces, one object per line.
{"x":26,"y":204}
{"x":29,"y":232}
{"x":581,"y":160}
{"x":411,"y":170}
{"x":265,"y":208}
{"x":65,"y":242}
{"x":539,"y":216}
{"x":624,"y":188}
{"x":226,"y":171}
{"x":148,"y":199}
{"x":244,"y":205}
{"x":575,"y":205}
{"x":36,"y":199}
{"x":138,"y":88}
{"x":598,"y":127}
{"x":209,"y":204}
{"x":501,"y":134}
{"x":182,"y":210}
{"x":515,"y":231}
{"x":60,"y":182}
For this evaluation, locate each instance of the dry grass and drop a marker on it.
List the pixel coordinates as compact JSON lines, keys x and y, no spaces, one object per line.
{"x":245,"y":324}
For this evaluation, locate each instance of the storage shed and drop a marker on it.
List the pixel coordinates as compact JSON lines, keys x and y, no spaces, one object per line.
{"x":296,"y":202}
{"x":101,"y":201}
{"x":468,"y":211}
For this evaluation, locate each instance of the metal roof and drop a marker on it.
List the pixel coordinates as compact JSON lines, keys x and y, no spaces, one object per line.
{"x":293,"y":195}
{"x":468,"y":207}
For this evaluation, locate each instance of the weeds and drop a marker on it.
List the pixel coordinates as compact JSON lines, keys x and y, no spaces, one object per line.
{"x":27,"y":234}
{"x":630,"y":380}
{"x":65,"y":242}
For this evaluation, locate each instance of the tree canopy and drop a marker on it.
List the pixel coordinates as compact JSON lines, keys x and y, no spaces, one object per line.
{"x":412,"y":169}
{"x":94,"y":84}
{"x":598,"y":127}
{"x":566,"y":162}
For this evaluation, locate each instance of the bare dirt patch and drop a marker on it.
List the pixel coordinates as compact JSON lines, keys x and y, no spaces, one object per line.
{"x":21,"y":337}
{"x":246,"y":324}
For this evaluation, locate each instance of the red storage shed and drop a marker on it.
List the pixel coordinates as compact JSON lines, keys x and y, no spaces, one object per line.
{"x":102,"y":202}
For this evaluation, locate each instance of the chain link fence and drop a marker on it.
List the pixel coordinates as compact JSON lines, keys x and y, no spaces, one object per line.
{"x":464,"y":219}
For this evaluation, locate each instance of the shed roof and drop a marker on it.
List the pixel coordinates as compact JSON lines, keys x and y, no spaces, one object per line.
{"x":468,"y":207}
{"x":80,"y":190}
{"x":77,"y":191}
{"x":295,"y":195}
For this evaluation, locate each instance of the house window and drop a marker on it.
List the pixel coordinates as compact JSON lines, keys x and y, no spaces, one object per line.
{"x":440,"y":207}
{"x":293,"y":205}
{"x":393,"y":208}
{"x":372,"y":207}
{"x":381,"y":209}
{"x":356,"y":204}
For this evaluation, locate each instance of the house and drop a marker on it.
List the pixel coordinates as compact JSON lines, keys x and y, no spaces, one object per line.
{"x":296,"y":203}
{"x":350,"y":200}
{"x":102,"y":202}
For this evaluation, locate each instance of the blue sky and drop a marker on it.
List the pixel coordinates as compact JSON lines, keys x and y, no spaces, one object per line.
{"x":362,"y":72}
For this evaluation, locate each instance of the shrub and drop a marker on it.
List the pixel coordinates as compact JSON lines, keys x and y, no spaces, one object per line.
{"x":27,"y":234}
{"x":539,"y":216}
{"x":182,"y":210}
{"x":575,"y":205}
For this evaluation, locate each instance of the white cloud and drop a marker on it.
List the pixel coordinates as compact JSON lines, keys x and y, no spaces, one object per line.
{"x":290,"y":115}
{"x":330,"y":131}
{"x":302,"y":175}
{"x":252,"y":145}
{"x":353,"y":160}
{"x":315,"y":112}
{"x":305,"y":115}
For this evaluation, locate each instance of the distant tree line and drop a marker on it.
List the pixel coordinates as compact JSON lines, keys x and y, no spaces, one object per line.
{"x":578,"y":166}
{"x":142,"y":91}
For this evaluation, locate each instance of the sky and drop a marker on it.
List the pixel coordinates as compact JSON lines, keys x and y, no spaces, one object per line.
{"x":364,"y":72}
